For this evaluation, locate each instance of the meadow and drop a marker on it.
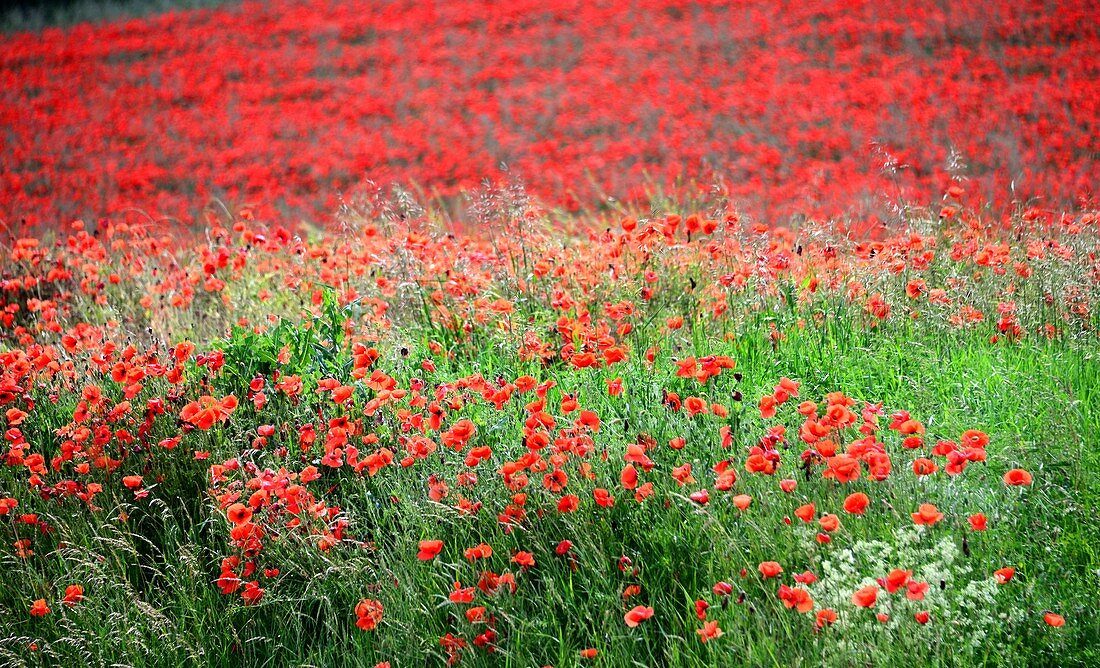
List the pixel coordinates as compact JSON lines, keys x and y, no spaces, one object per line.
{"x":793,"y":363}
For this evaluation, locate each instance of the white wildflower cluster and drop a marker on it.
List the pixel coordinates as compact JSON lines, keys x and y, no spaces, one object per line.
{"x":961,"y":600}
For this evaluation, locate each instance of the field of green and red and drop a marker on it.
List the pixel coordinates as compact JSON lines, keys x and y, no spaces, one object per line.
{"x":552,"y":333}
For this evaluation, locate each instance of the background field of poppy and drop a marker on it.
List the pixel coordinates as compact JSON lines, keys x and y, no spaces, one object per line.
{"x":790,"y":108}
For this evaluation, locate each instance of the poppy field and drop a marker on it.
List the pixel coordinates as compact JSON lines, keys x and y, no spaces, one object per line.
{"x":291,"y":373}
{"x":792,"y":108}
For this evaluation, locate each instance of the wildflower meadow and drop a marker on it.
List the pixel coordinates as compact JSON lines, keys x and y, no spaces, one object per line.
{"x":550,"y":334}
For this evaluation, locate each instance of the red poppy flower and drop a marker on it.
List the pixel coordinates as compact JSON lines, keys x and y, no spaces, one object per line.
{"x":459,"y":594}
{"x":695,"y":406}
{"x":770,"y":569}
{"x":429,"y":549}
{"x":74,"y":594}
{"x":482,"y":551}
{"x":865,"y":597}
{"x":628,"y":478}
{"x":39,"y":608}
{"x":603,"y":497}
{"x":702,"y":497}
{"x":915,"y":591}
{"x":927,"y":514}
{"x":682,"y":474}
{"x":589,"y":419}
{"x":238,"y":513}
{"x":842,"y":468}
{"x":787,"y":388}
{"x":1017,"y":477}
{"x":637,"y":615}
{"x":207,"y":410}
{"x":924,"y":466}
{"x":569,"y":503}
{"x":767,"y":407}
{"x":797,"y":598}
{"x":252,"y":593}
{"x":368,"y":613}
{"x":972,"y":438}
{"x":896,"y":579}
{"x":475,"y":614}
{"x":856,"y":503}
{"x":710,"y":631}
{"x":805,"y":512}
{"x":825,"y":618}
